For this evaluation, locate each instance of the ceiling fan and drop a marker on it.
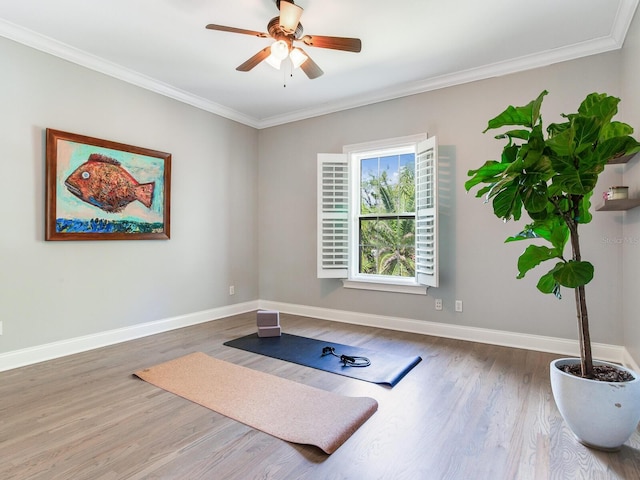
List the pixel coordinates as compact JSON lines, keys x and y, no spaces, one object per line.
{"x":285,"y":30}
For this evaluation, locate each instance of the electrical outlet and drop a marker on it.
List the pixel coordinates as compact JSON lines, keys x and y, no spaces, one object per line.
{"x":458,"y":305}
{"x":438,"y":303}
{"x":232,"y":290}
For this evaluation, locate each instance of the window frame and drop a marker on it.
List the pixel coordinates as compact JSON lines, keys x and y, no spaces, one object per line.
{"x":356,"y":153}
{"x":337,"y":261}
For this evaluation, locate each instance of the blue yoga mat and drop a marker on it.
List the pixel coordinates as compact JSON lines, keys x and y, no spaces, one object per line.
{"x":385,"y":368}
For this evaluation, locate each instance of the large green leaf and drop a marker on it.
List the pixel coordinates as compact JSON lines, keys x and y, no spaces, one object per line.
{"x":561,"y":163}
{"x":538,"y":229}
{"x":533,"y":256}
{"x":562,"y":144}
{"x":548,"y":284}
{"x":615,"y":129}
{"x":557,"y":128}
{"x":587,"y":132}
{"x":534,"y":198}
{"x":488,"y":172}
{"x":599,"y":105}
{"x":576,"y":182}
{"x":573,"y":274}
{"x":507,"y":203}
{"x":544,"y":165}
{"x":569,"y":274}
{"x":526,"y":116}
{"x":510,"y":153}
{"x":559,"y":234}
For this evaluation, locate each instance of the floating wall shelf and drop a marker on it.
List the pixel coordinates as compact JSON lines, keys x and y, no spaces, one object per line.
{"x":621,"y":204}
{"x":622,"y":159}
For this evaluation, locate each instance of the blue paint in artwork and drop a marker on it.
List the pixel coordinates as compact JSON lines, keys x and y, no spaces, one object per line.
{"x":99,"y":225}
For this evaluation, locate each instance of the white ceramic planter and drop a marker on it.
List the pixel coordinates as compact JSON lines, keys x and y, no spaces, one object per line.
{"x":601,"y":415}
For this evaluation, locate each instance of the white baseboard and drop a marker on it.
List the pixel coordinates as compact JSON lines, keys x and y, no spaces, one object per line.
{"x":629,"y":362}
{"x":49,"y":351}
{"x":560,"y":346}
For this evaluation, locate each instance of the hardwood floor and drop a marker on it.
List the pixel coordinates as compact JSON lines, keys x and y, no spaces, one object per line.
{"x":467,"y":411}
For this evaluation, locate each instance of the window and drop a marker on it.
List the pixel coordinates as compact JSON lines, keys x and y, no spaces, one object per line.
{"x":377,"y":215}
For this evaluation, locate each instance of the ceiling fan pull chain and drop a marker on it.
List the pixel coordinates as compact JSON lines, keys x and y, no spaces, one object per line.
{"x":284,"y":71}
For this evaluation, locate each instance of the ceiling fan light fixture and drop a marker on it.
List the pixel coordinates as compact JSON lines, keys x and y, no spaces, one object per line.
{"x":279,"y":50}
{"x":297,"y":57}
{"x":290,"y":14}
{"x":273,"y":61}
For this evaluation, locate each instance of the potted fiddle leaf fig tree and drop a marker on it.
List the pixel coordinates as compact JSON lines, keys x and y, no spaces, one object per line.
{"x":551,"y":174}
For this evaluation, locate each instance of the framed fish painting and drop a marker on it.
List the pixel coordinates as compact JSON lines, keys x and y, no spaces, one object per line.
{"x":103,"y":190}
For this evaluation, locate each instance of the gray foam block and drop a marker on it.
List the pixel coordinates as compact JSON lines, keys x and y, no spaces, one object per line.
{"x":268,"y":318}
{"x":269,"y":331}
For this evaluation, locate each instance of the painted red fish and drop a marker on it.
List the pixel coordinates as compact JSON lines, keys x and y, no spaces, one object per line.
{"x":103,"y":182}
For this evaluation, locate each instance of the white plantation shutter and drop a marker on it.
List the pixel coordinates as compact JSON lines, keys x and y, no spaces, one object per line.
{"x":426,"y":212}
{"x":334,"y":221}
{"x":333,"y":215}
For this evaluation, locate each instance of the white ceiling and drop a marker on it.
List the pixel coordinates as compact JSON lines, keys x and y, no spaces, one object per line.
{"x":408,"y":46}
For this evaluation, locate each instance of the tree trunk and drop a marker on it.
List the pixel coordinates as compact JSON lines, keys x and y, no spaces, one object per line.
{"x":586,"y":357}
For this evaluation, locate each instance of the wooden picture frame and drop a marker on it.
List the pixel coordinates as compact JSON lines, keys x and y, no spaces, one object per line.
{"x":102,"y":190}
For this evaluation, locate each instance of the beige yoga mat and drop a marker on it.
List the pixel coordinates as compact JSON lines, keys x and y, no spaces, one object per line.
{"x":285,"y":409}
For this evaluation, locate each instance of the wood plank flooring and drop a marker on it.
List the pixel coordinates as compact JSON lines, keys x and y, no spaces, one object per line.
{"x":467,"y":411}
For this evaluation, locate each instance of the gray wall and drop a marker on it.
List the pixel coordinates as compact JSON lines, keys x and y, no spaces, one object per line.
{"x":52,"y":291}
{"x":476,"y":266}
{"x":630,"y":240}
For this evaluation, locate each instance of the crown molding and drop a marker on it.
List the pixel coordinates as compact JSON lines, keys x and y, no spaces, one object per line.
{"x":46,"y":44}
{"x":61,"y":50}
{"x":521,"y":64}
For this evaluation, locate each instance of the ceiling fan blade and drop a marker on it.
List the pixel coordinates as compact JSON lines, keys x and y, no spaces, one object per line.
{"x":223,"y":28}
{"x":255,"y":60}
{"x":335,"y":43}
{"x":290,"y":14}
{"x":309,"y":67}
